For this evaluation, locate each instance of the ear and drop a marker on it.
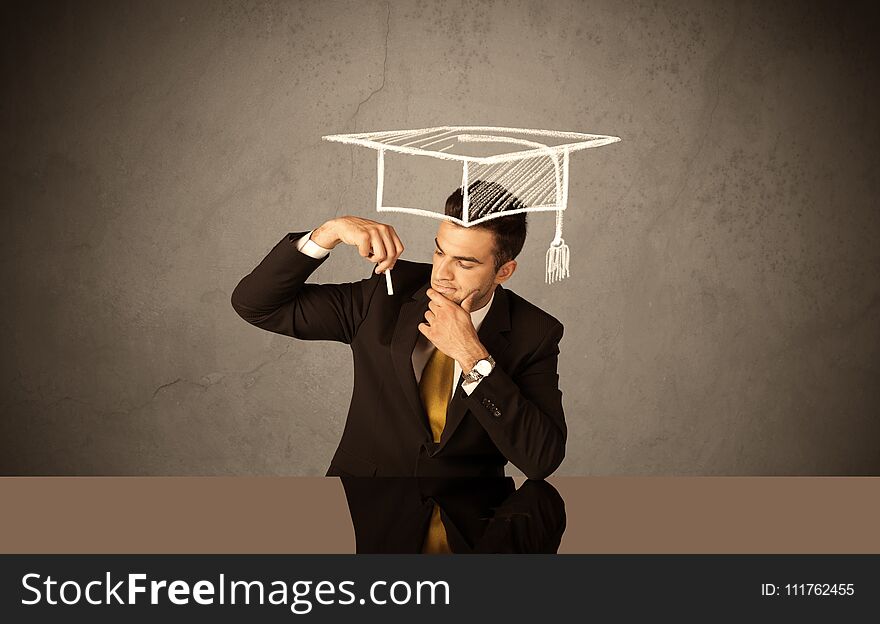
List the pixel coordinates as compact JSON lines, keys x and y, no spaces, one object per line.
{"x":505,"y":271}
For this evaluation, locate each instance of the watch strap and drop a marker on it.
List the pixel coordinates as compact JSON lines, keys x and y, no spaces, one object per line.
{"x":475,"y":375}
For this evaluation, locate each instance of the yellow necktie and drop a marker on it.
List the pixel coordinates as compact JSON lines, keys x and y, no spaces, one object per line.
{"x":435,"y":540}
{"x":435,"y":388}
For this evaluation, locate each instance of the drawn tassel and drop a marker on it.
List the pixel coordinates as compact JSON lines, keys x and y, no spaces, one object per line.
{"x":558,"y":255}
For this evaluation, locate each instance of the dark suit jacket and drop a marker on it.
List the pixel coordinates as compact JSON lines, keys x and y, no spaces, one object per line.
{"x":513,"y":414}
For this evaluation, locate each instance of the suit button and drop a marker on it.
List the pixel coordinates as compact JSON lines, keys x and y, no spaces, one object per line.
{"x":496,"y":413}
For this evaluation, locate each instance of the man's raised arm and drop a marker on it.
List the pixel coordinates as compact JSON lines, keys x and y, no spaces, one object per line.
{"x":275,"y":297}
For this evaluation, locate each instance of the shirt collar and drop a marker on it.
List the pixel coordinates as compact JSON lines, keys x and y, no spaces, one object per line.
{"x":477,"y":316}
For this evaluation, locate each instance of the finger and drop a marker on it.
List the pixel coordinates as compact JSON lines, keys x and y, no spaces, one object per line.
{"x":425,"y":329}
{"x":378,"y":247}
{"x":378,"y":252}
{"x":468,"y":303}
{"x":390,"y":251}
{"x":430,"y":316}
{"x":435,"y":296}
{"x":433,"y":306}
{"x":363,"y":244}
{"x":398,"y":244}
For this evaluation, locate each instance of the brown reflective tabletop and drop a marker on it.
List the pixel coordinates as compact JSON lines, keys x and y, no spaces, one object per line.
{"x":327,"y":515}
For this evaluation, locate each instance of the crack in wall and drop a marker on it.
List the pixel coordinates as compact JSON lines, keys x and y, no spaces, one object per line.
{"x":206,"y":382}
{"x":353,"y":120}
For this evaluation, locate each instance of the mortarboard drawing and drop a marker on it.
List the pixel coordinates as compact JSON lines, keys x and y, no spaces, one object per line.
{"x":530,"y":167}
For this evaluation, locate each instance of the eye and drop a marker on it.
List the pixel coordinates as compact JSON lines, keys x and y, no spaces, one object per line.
{"x":437,"y":252}
{"x":466,"y":267}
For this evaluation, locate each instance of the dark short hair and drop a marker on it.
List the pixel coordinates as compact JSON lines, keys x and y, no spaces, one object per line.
{"x":488,"y":198}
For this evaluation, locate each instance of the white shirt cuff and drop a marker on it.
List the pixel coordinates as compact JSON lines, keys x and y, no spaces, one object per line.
{"x":470,"y":386}
{"x":310,"y":247}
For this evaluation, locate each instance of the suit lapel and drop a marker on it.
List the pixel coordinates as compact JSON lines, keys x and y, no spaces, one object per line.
{"x":406,"y":333}
{"x":491,"y":334}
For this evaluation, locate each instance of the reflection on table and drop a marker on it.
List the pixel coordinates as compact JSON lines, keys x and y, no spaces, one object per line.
{"x":454,"y":515}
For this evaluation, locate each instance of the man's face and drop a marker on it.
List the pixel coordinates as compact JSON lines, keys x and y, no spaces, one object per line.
{"x":464,"y":262}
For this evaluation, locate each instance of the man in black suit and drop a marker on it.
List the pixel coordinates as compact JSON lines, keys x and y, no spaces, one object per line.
{"x":454,"y":375}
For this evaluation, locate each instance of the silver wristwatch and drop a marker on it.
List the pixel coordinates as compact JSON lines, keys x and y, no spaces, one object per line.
{"x":481,"y":369}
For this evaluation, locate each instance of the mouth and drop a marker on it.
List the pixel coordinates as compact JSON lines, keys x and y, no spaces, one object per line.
{"x":443,"y":291}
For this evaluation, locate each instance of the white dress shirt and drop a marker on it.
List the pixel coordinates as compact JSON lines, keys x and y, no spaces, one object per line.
{"x":423,"y":349}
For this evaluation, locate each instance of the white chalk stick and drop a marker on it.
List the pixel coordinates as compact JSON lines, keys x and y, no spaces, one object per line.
{"x":388,"y":285}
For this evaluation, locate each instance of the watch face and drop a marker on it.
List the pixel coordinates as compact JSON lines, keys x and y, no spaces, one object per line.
{"x":483,"y":367}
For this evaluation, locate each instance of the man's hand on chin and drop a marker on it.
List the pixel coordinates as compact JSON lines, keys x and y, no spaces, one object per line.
{"x":449,"y":327}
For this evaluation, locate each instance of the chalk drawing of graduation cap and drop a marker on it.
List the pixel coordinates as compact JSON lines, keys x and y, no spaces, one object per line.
{"x":503,"y":171}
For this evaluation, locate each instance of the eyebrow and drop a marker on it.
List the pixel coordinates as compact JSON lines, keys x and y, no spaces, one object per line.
{"x":465,"y":258}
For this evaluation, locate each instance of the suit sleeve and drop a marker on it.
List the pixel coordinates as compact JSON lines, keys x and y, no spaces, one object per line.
{"x":523,"y":415}
{"x":275,"y":297}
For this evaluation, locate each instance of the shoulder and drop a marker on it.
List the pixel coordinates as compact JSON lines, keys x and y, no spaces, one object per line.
{"x":408,"y":276}
{"x":526,"y":317}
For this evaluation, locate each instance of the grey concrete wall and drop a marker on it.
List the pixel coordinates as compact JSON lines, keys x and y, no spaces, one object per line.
{"x":722,"y":314}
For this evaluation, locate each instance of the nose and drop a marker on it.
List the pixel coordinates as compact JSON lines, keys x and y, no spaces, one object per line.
{"x":443,"y":270}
